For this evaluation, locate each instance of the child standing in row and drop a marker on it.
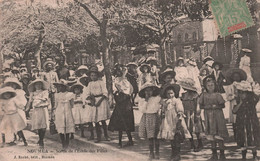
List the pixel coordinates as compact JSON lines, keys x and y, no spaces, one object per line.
{"x":213,"y":103}
{"x":12,"y":122}
{"x":96,"y":92}
{"x":78,"y":109}
{"x":190,"y":103}
{"x":39,"y":99}
{"x":63,"y":113}
{"x":149,"y":105}
{"x":173,"y":125}
{"x":247,"y":123}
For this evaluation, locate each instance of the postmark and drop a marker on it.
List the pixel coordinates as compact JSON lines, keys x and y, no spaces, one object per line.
{"x":231,"y":15}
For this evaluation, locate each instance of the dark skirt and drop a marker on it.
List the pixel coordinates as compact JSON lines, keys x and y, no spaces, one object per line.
{"x":122,"y":118}
{"x":248,"y":128}
{"x":149,"y":125}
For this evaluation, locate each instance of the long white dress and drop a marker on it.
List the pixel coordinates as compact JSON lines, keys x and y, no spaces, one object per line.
{"x":181,"y":72}
{"x":97,"y":89}
{"x":22,"y":103}
{"x":194,"y":74}
{"x":245,"y":65}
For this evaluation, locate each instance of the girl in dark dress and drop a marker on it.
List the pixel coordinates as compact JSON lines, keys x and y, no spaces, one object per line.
{"x":219,"y":77}
{"x":247,"y":123}
{"x":122,"y":118}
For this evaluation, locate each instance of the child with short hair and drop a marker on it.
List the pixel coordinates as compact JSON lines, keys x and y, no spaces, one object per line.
{"x":150,"y":105}
{"x":213,"y":103}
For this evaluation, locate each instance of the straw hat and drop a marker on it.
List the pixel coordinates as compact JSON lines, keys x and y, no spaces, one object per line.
{"x":10,"y":80}
{"x":141,"y":60}
{"x":247,"y":50}
{"x":81,"y":68}
{"x":179,"y":59}
{"x":243,"y":86}
{"x":145,"y":65}
{"x":229,"y":74}
{"x":31,"y":87}
{"x":217,"y":63}
{"x":175,"y":87}
{"x":156,"y":89}
{"x":94,"y":69}
{"x":23,"y":69}
{"x":71,"y":80}
{"x":76,"y":85}
{"x":192,"y":62}
{"x":166,"y":72}
{"x":207,"y":58}
{"x":188,"y":83}
{"x":7,"y":90}
{"x":209,"y":63}
{"x":35,"y":69}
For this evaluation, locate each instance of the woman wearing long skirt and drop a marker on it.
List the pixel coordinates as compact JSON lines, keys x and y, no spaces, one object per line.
{"x":122,"y":118}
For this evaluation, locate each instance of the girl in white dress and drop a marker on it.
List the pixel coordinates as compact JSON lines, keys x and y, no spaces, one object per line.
{"x":63,"y":113}
{"x":39,"y":98}
{"x":11,"y":122}
{"x":97,"y":95}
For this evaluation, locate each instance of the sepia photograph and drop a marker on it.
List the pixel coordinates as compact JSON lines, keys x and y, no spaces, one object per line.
{"x":129,"y":80}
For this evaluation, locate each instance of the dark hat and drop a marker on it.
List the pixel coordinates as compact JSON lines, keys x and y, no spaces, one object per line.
{"x":77,"y":85}
{"x":230,"y":72}
{"x":151,"y":59}
{"x":63,"y":83}
{"x":145,"y":65}
{"x":207,"y":58}
{"x":84,"y":80}
{"x":166,"y":72}
{"x":217,"y":63}
{"x":175,"y":87}
{"x":156,"y":89}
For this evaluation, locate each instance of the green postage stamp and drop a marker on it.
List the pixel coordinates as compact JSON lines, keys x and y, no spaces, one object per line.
{"x":231,"y":15}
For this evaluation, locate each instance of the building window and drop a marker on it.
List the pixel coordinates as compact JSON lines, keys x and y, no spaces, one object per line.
{"x":179,"y":37}
{"x":194,"y":36}
{"x":186,"y":37}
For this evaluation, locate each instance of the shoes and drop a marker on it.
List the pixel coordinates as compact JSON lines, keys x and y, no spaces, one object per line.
{"x":25,"y":143}
{"x":91,"y":138}
{"x":107,"y":138}
{"x":129,"y":143}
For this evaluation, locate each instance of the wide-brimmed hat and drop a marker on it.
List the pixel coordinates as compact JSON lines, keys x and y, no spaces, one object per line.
{"x":188,"y":83}
{"x":243,"y":86}
{"x":207,"y":58}
{"x":48,"y":61}
{"x":247,"y":50}
{"x":156,"y":89}
{"x":71,"y":80}
{"x":145,"y":65}
{"x":217,"y":63}
{"x":76,"y":85}
{"x":167,"y":71}
{"x":23,"y":69}
{"x":230,"y":72}
{"x":204,"y":68}
{"x":151,"y":59}
{"x":192,"y":62}
{"x":35,"y":69}
{"x":7,"y":90}
{"x":84,"y":80}
{"x":81,"y":68}
{"x":10,"y":80}
{"x":63,"y":83}
{"x":23,"y":65}
{"x":94,"y":69}
{"x":175,"y":87}
{"x":31,"y":86}
{"x":131,"y":64}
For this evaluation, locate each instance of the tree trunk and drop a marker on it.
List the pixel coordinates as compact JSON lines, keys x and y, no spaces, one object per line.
{"x":163,"y":53}
{"x":106,"y":60}
{"x":37,"y":53}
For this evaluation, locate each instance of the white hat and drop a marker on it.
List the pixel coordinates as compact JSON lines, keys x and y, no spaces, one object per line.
{"x":247,"y":50}
{"x":243,"y":86}
{"x":14,"y":81}
{"x":7,"y":90}
{"x":210,"y":63}
{"x":31,"y":88}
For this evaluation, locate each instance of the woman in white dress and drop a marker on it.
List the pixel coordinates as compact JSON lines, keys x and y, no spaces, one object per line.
{"x":245,"y":64}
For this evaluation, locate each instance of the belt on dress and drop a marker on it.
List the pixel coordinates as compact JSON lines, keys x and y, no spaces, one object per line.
{"x":78,"y":102}
{"x":41,"y":106}
{"x":100,"y":95}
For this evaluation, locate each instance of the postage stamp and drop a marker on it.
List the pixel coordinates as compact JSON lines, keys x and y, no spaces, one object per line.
{"x":231,"y":15}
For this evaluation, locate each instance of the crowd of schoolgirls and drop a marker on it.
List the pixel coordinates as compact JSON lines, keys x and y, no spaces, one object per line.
{"x":177,"y":103}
